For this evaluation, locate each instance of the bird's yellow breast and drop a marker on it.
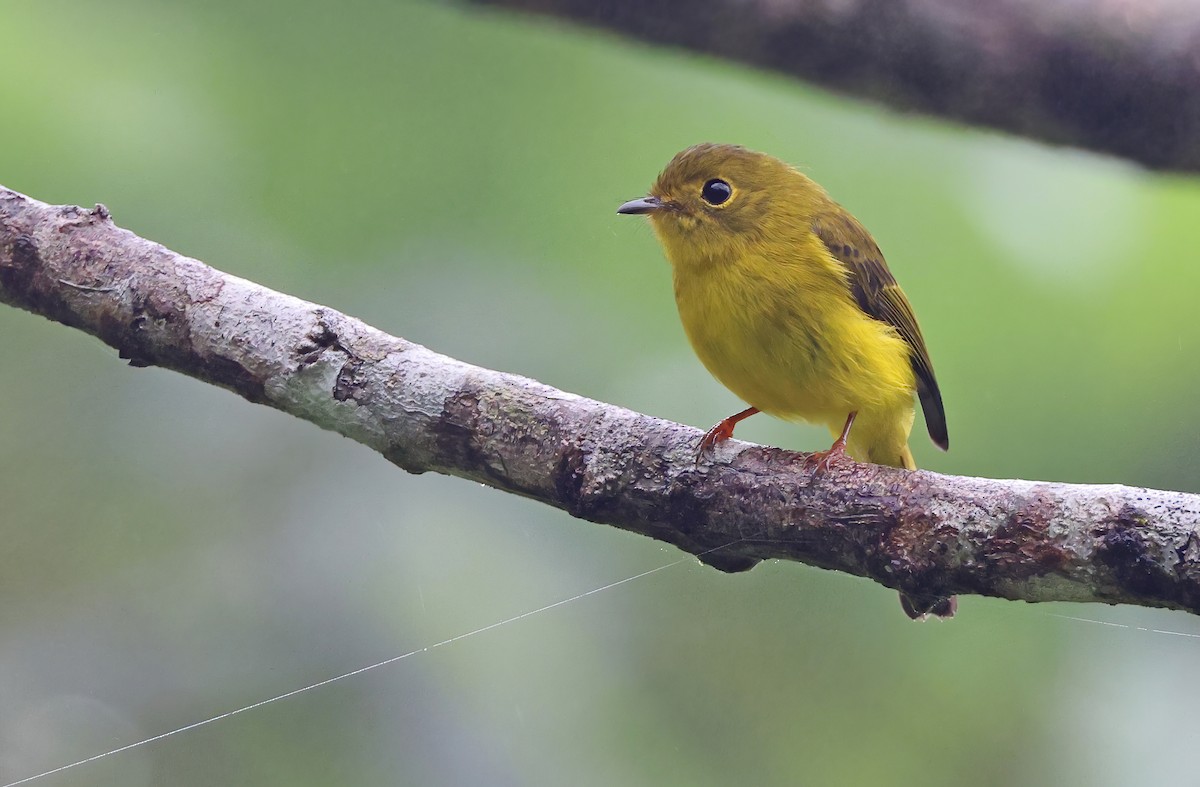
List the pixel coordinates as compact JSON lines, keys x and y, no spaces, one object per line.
{"x":786,"y":336}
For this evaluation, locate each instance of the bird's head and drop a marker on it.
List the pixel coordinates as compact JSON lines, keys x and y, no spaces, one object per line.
{"x":714,"y":202}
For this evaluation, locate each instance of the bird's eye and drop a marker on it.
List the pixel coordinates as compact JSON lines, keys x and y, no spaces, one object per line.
{"x":716,"y":191}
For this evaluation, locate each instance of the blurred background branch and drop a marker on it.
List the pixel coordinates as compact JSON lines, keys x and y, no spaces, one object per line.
{"x":928,"y":534}
{"x":1112,"y":76}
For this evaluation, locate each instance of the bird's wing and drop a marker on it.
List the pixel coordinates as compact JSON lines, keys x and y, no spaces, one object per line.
{"x":877,"y":293}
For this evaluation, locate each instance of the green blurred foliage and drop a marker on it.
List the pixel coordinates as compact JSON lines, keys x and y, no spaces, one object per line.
{"x":172,"y":553}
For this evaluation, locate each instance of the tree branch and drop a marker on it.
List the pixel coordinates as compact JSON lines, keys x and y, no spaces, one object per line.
{"x":928,"y":534}
{"x":1113,"y":76}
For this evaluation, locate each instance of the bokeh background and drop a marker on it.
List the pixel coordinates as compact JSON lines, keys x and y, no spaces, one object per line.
{"x":171,"y":552}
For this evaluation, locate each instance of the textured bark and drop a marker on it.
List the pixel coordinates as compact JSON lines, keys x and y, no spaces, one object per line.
{"x":1114,"y":76}
{"x":928,"y":534}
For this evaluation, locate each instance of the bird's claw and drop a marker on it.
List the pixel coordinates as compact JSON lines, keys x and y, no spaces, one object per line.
{"x":718,"y":434}
{"x":818,"y":462}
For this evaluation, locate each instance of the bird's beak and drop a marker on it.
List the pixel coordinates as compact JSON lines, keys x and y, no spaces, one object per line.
{"x":643,"y":205}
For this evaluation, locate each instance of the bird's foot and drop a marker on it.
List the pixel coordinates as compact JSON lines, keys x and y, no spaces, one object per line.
{"x":721,"y":432}
{"x":718,"y":434}
{"x":818,"y":462}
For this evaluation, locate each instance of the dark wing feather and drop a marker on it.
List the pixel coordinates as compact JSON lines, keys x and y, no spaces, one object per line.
{"x":877,"y":293}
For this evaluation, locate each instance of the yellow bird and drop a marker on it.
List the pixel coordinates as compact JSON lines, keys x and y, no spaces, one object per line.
{"x":788,"y":302}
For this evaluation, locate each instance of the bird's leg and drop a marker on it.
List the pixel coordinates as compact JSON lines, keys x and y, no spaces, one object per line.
{"x":820,"y":460}
{"x":722,"y":431}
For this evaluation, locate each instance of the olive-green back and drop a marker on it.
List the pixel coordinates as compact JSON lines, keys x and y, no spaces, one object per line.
{"x":878,"y":295}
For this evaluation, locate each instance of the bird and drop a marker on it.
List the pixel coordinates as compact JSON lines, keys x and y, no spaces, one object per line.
{"x":788,"y":302}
